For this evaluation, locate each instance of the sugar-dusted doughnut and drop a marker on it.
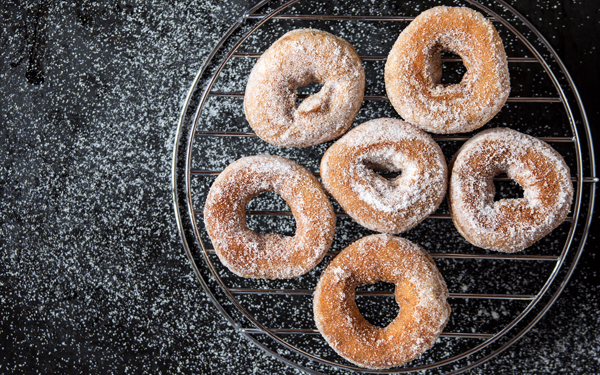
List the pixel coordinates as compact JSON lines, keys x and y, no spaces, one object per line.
{"x":389,"y":206}
{"x":508,"y":225}
{"x":295,"y":60}
{"x":414,"y":69}
{"x":270,"y":256}
{"x":420,"y":291}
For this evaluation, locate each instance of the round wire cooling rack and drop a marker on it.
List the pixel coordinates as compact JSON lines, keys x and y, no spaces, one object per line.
{"x":496,"y":298}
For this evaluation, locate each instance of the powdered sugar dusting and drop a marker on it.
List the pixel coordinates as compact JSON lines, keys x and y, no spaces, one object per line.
{"x":420,"y":292}
{"x":295,"y":60}
{"x":379,"y":204}
{"x":413,"y":71}
{"x":509,"y":224}
{"x":252,"y":254}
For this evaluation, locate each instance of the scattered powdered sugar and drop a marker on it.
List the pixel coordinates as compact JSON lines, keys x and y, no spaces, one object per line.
{"x":509,"y":224}
{"x":93,"y":267}
{"x":295,"y":60}
{"x":413,"y":71}
{"x":379,"y":204}
{"x":252,"y":254}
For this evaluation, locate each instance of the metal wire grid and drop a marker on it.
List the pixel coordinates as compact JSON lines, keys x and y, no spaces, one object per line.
{"x":271,"y":340}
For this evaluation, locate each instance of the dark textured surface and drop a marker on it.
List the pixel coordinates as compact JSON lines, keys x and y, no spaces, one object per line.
{"x":93,"y":278}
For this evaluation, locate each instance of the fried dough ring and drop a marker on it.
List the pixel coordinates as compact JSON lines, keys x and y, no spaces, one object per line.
{"x":420,"y":291}
{"x":414,"y":69}
{"x":508,"y":225}
{"x":295,"y":60}
{"x":388,"y":206}
{"x":270,"y":256}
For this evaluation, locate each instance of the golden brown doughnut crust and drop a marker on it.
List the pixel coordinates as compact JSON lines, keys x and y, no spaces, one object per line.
{"x":420,"y":291}
{"x":508,"y":225}
{"x":295,"y":60}
{"x":388,"y":206}
{"x":414,"y":69}
{"x":270,"y":256}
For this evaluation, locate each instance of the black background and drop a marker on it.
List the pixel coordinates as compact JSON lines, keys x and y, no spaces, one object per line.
{"x":93,"y":278}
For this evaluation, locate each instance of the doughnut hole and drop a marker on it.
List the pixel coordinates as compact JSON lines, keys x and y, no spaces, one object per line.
{"x":309,"y":89}
{"x":507,"y":189}
{"x":263,"y":222}
{"x":380,"y":311}
{"x":444,"y":74}
{"x":312,"y":96}
{"x":383,"y":169}
{"x":452,"y":71}
{"x":388,"y":175}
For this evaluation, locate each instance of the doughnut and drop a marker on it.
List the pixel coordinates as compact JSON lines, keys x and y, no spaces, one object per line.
{"x":420,"y":292}
{"x":269,"y":256}
{"x":413,"y":71}
{"x":382,"y":205}
{"x":295,"y":60}
{"x":508,"y":225}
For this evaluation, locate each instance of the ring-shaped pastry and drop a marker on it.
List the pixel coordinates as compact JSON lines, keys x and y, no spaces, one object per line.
{"x":386,"y":205}
{"x":295,"y":60}
{"x":420,"y":291}
{"x":413,"y":71}
{"x":508,"y":225}
{"x":270,"y":256}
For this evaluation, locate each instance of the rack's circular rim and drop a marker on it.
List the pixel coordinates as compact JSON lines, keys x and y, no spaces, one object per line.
{"x":176,"y":178}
